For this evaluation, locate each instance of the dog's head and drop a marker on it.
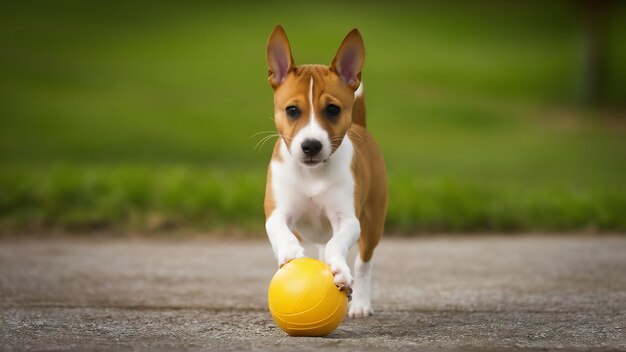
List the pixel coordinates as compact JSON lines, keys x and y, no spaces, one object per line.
{"x":313,"y":103}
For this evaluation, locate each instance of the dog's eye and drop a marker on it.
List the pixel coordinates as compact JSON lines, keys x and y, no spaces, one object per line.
{"x":332,"y":111}
{"x":293,"y":112}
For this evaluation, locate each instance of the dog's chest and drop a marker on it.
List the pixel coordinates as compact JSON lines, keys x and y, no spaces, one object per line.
{"x":313,"y":205}
{"x":315,"y":199}
{"x":307,"y":193}
{"x":313,"y":224}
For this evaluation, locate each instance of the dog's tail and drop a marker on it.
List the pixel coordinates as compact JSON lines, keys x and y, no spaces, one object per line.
{"x":358,"y":109}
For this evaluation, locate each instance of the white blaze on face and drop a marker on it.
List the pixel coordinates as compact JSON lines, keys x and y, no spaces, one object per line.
{"x":313,"y":131}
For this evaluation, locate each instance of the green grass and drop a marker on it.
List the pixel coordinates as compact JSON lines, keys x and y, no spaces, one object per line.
{"x":131,"y":198}
{"x":136,"y":116}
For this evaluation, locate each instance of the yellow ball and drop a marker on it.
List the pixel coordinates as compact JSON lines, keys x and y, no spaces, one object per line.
{"x":303,"y":299}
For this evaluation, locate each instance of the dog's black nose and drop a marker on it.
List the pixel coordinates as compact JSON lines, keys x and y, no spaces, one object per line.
{"x":311,"y":147}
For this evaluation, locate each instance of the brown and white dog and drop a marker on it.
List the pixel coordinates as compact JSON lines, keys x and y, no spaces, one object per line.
{"x":326,"y":182}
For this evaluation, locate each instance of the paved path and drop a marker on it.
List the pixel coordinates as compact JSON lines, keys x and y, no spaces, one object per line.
{"x":476,"y":293}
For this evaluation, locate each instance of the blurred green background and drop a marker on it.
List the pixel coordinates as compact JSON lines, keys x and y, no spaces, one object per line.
{"x":140,"y":116}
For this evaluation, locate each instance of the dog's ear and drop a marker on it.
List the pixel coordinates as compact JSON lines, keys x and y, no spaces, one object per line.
{"x":279,"y":59}
{"x":348,"y":61}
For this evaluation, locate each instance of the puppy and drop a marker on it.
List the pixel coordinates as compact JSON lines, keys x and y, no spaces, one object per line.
{"x":326,"y":181}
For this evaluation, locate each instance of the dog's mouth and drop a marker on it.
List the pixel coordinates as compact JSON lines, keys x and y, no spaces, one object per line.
{"x":311,"y":162}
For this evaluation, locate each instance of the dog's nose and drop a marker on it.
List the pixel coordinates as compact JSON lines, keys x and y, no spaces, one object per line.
{"x":311,"y":147}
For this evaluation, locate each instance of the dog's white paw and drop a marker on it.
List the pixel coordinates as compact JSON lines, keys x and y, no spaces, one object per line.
{"x":360,"y":309}
{"x":343,"y":278}
{"x":289,"y":252}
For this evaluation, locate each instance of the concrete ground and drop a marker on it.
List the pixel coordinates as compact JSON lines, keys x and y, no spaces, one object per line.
{"x":470,"y":293}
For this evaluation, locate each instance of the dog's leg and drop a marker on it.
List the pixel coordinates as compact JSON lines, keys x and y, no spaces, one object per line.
{"x":348,"y":231}
{"x":361,"y":304}
{"x":284,"y":243}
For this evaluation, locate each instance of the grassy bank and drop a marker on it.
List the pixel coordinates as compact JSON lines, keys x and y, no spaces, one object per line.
{"x":153,"y":199}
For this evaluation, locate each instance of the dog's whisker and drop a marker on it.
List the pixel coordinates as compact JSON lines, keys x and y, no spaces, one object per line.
{"x":259,"y":147}
{"x":267,"y":137}
{"x":260,"y":133}
{"x":359,"y":136}
{"x":260,"y":143}
{"x":265,"y":141}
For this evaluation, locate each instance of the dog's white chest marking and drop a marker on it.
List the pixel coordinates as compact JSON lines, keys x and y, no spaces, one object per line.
{"x":314,"y":200}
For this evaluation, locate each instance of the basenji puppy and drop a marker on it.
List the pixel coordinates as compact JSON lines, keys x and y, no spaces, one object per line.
{"x":326,"y":181}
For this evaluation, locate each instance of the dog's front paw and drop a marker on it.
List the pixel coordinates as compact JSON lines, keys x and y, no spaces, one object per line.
{"x":287,"y":253}
{"x":360,"y":309}
{"x":343,"y":278}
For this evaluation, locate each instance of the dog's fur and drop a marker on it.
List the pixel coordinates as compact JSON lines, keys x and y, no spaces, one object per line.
{"x":335,"y":196}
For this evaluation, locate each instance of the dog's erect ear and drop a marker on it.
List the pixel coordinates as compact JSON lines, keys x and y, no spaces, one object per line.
{"x":348,"y":61}
{"x":279,"y":59}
